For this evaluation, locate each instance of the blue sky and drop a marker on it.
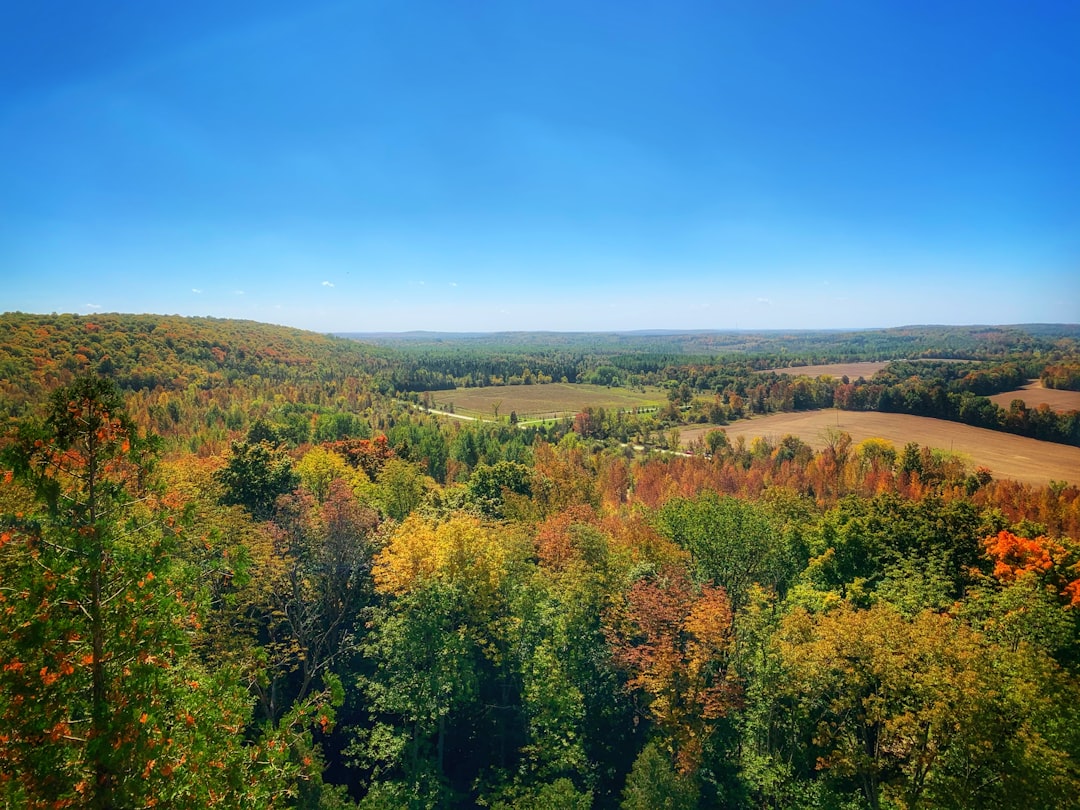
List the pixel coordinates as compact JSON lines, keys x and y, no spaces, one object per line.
{"x":496,"y":165}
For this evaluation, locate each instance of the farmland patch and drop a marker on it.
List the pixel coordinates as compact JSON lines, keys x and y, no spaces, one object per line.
{"x":851,"y":370}
{"x":1033,"y":394}
{"x":551,"y":401}
{"x":1007,"y":456}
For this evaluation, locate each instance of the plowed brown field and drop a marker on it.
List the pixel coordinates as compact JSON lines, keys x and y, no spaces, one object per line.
{"x":866,"y":369}
{"x":1034,"y":395}
{"x":853,"y":370}
{"x":1007,"y":456}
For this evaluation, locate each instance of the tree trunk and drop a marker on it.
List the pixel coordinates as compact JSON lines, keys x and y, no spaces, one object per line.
{"x":103,"y":775}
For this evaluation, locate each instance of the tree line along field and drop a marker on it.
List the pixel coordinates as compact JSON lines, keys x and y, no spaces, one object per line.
{"x":1006,"y":456}
{"x":1035,"y":394}
{"x":549,"y":401}
{"x":717,"y":389}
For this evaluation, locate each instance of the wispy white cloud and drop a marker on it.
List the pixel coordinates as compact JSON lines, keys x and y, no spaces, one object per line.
{"x":764,"y":300}
{"x":328,"y":284}
{"x":238,"y":292}
{"x":453,"y":283}
{"x":196,"y":290}
{"x":93,"y":306}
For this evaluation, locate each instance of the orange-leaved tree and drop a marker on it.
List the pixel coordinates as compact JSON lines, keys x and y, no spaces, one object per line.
{"x":1055,"y":563}
{"x":674,"y":639}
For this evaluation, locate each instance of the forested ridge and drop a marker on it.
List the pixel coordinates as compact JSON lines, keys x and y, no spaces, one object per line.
{"x":239,"y":568}
{"x":204,"y":372}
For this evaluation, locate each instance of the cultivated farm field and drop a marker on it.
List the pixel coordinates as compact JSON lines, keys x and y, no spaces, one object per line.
{"x":1028,"y":460}
{"x":853,"y":371}
{"x":1035,"y":395}
{"x":865,"y":369}
{"x":550,"y":401}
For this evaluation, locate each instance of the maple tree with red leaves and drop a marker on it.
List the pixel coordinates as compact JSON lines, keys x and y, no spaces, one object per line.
{"x":674,"y":640}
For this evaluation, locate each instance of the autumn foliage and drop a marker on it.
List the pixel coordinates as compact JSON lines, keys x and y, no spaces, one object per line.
{"x":239,"y":567}
{"x":674,"y":640}
{"x":1015,"y":557}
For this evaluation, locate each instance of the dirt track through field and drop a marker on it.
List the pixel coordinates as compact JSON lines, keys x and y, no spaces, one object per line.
{"x":1007,"y":456}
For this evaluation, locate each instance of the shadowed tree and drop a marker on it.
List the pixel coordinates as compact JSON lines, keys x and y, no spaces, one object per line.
{"x":256,"y":474}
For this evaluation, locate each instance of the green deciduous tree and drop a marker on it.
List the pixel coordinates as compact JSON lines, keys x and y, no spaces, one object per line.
{"x":255,"y":475}
{"x":927,"y":713}
{"x":490,"y":486}
{"x":425,"y":677}
{"x":654,"y":784}
{"x":400,"y":488}
{"x":732,"y":542}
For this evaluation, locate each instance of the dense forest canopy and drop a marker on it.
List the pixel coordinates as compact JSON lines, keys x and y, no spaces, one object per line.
{"x":810,"y":345}
{"x":247,"y":566}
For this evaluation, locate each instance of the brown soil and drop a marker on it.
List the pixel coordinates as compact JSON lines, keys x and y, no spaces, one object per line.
{"x":1007,"y":456}
{"x":1035,"y":395}
{"x":852,"y":370}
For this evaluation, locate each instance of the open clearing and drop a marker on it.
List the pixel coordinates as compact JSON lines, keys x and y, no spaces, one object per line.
{"x":1035,"y":395}
{"x":852,"y":370}
{"x":1007,"y":456}
{"x":865,"y":368}
{"x":550,"y":401}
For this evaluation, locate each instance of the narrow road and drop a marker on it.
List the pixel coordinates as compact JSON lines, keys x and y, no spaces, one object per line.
{"x":445,"y":413}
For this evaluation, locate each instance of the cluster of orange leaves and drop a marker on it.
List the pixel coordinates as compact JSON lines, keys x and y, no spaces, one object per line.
{"x":49,"y":677}
{"x":626,"y":532}
{"x":674,"y":639}
{"x":658,"y":480}
{"x":1015,"y":557}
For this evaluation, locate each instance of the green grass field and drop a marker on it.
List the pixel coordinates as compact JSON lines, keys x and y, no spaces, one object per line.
{"x":534,"y":402}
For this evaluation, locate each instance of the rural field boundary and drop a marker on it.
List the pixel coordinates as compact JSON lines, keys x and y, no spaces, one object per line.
{"x":542,"y":402}
{"x":1004,"y":454}
{"x":1034,"y":394}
